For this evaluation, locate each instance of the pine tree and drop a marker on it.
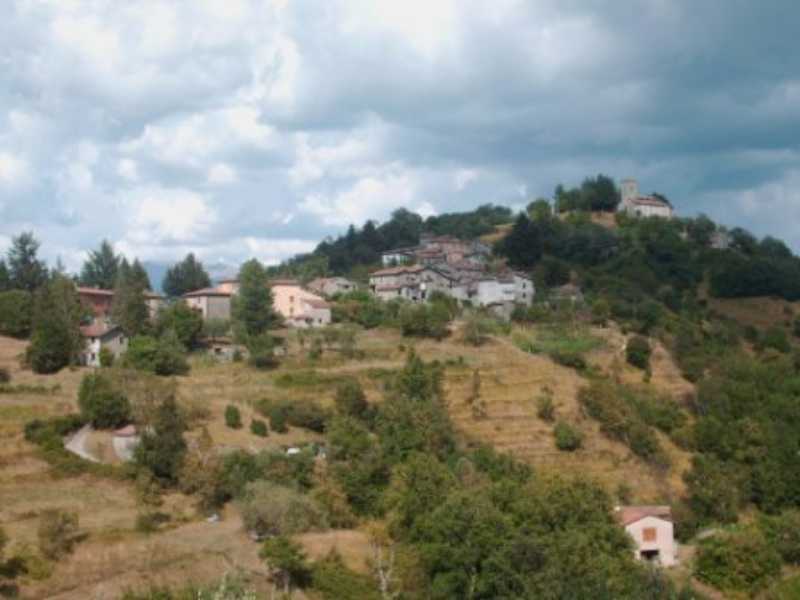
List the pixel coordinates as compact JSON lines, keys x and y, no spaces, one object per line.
{"x":26,"y":271}
{"x":139,"y":275}
{"x":56,"y":339}
{"x":163,"y":447}
{"x":101,"y":268}
{"x":252,"y":308}
{"x":5,"y":280}
{"x":185,"y":276}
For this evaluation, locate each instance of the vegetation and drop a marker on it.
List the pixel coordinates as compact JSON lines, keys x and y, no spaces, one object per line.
{"x":187,"y":324}
{"x":186,"y":276}
{"x":57,"y":533}
{"x":567,"y":437}
{"x":233,"y":418}
{"x":101,"y":404}
{"x":56,"y":339}
{"x":162,"y":447}
{"x":637,"y":352}
{"x":162,"y":356}
{"x":252,"y":307}
{"x":737,"y":561}
{"x":259,"y":428}
{"x":16,"y":313}
{"x":25,"y":270}
{"x":101,"y":268}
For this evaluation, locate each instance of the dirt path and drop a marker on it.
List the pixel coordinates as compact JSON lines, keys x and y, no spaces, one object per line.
{"x":77,"y":445}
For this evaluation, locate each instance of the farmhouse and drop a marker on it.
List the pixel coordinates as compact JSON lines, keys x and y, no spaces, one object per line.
{"x":637,"y":205}
{"x":651,"y":528}
{"x":100,"y":335}
{"x":97,"y":301}
{"x":298,"y":306}
{"x":330,"y":286}
{"x":211,"y":303}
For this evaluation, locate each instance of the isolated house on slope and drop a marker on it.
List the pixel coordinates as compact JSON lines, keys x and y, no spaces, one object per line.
{"x":97,"y":301}
{"x":100,"y":335}
{"x":636,"y":205}
{"x":652,"y":530}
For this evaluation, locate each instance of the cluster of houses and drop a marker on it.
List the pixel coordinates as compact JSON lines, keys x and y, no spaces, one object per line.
{"x":456,"y":268}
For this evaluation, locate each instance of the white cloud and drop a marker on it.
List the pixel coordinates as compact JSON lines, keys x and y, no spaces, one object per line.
{"x":370,"y":197}
{"x":167,"y":215}
{"x":13,"y":170}
{"x":128,"y":169}
{"x":463,"y":177}
{"x":221,"y":174}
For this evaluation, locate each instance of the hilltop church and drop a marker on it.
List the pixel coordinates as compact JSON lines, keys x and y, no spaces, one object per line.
{"x":637,"y":205}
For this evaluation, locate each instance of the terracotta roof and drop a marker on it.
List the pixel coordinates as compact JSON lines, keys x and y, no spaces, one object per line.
{"x":316,"y":302}
{"x":211,"y":291}
{"x":89,"y":291}
{"x":127,"y":431}
{"x":97,"y":329}
{"x":630,"y":514}
{"x":650,"y":201}
{"x":398,"y":270}
{"x":274,"y":282}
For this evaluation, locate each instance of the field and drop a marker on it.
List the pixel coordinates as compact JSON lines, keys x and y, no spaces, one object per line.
{"x":115,"y":556}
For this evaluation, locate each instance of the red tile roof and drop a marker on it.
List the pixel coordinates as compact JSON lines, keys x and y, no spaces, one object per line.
{"x":630,"y":514}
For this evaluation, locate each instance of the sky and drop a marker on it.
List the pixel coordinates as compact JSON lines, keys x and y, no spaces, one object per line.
{"x":238,"y":128}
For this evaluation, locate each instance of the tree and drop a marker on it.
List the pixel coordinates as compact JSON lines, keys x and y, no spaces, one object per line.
{"x":100,"y":403}
{"x":638,"y":352}
{"x":5,"y":279}
{"x":252,"y":307}
{"x":100,"y":269}
{"x":140,"y":276}
{"x":523,"y":245}
{"x":739,"y":561}
{"x":163,"y":356}
{"x":16,"y":313}
{"x":271,"y":509}
{"x":185,"y":276}
{"x":185,"y":322}
{"x":162,"y":447}
{"x":350,"y":399}
{"x":287,"y":563}
{"x":701,"y":230}
{"x":56,"y":339}
{"x":129,"y":309}
{"x":25,"y":270}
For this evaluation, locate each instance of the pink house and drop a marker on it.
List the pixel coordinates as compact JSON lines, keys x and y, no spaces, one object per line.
{"x":298,"y":306}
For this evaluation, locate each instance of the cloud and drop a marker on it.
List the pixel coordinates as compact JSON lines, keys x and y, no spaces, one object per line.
{"x":204,"y":124}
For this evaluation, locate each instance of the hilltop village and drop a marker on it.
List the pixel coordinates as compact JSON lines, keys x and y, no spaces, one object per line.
{"x":595,"y":395}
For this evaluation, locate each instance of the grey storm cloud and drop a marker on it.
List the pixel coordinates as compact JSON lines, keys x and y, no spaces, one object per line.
{"x":238,"y":128}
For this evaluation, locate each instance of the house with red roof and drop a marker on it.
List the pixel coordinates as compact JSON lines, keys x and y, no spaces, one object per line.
{"x":637,"y":205}
{"x":101,"y":334}
{"x":652,"y":530}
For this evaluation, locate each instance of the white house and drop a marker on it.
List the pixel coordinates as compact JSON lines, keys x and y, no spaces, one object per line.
{"x":634,"y":204}
{"x":652,"y":530}
{"x":100,"y":335}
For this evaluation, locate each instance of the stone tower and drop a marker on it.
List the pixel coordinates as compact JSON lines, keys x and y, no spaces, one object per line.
{"x":630,"y":190}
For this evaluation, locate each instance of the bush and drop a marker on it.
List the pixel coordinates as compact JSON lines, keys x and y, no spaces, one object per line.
{"x":58,"y":533}
{"x":783,"y":533}
{"x":568,"y":439}
{"x":233,"y":418}
{"x":269,"y":509}
{"x":740,"y":561}
{"x":425,"y":320}
{"x":545,"y":407}
{"x":299,"y":413}
{"x":262,"y":351}
{"x":278,"y":418}
{"x":101,"y":404}
{"x":186,"y":323}
{"x":16,"y":313}
{"x":106,"y":357}
{"x":5,"y":375}
{"x":164,"y":356}
{"x":350,"y":399}
{"x":776,"y":339}
{"x":570,"y":359}
{"x":638,"y":352}
{"x":332,"y":579}
{"x":259,"y":428}
{"x":148,"y":522}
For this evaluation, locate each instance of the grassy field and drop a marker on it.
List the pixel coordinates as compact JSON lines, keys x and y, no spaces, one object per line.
{"x":115,"y":556}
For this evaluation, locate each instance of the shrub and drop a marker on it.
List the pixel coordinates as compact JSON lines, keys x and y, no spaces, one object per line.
{"x":259,"y":428}
{"x":148,"y":522}
{"x":776,"y":338}
{"x":568,"y":439}
{"x":57,"y":533}
{"x":5,"y":375}
{"x":475,"y":331}
{"x":186,"y":323}
{"x":233,"y":418}
{"x":569,"y":358}
{"x":740,"y":561}
{"x":350,"y":399}
{"x":16,"y":313}
{"x":332,"y":579}
{"x":269,"y":509}
{"x":101,"y":404}
{"x":638,"y":352}
{"x":299,"y":413}
{"x":545,"y":407}
{"x":106,"y":357}
{"x":164,"y":356}
{"x":783,"y":533}
{"x":278,"y":418}
{"x":262,"y":351}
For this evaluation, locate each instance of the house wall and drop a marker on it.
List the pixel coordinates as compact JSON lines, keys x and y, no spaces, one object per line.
{"x":117,"y":343}
{"x":198,"y":303}
{"x":100,"y":306}
{"x":288,"y":300}
{"x":154,"y":305}
{"x":524,"y":290}
{"x":218,"y":307}
{"x":664,"y":542}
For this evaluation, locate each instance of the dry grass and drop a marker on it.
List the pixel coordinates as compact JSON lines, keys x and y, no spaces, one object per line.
{"x":115,"y":556}
{"x":761,"y":312}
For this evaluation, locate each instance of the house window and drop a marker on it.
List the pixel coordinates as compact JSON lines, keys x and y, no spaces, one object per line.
{"x":94,"y":357}
{"x":649,"y":534}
